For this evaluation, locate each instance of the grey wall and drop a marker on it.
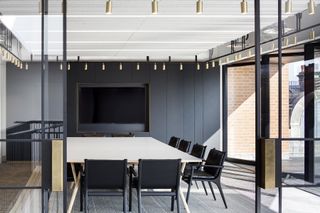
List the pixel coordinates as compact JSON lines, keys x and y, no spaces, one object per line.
{"x":182,"y":103}
{"x":24,"y":93}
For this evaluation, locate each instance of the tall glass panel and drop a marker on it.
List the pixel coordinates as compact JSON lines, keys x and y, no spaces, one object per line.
{"x":20,"y":107}
{"x":317,"y":113}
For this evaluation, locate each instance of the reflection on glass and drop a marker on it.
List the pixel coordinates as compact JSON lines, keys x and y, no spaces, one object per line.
{"x":241,"y":116}
{"x":317,"y":114}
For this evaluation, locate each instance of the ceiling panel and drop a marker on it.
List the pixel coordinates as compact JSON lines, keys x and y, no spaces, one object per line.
{"x":131,"y":31}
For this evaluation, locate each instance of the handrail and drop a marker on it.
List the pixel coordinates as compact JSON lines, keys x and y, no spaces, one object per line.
{"x":36,"y":121}
{"x":294,"y":139}
{"x":28,"y":140}
{"x":38,"y":130}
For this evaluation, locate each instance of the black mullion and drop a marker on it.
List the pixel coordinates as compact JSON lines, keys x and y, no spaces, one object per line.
{"x":279,"y":144}
{"x":257,"y":31}
{"x":44,"y":160}
{"x":309,"y":113}
{"x":265,"y":97}
{"x":225,"y":109}
{"x":65,"y":101}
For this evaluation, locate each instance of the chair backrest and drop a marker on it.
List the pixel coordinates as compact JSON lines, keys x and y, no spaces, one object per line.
{"x":130,"y":134}
{"x":105,"y":174}
{"x":184,"y":145}
{"x":159,"y":174}
{"x":198,"y":151}
{"x":174,"y":142}
{"x":215,"y":158}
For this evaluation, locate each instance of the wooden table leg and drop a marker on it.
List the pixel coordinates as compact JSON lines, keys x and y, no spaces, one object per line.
{"x":186,"y":207}
{"x":74,"y":174}
{"x":75,"y":189}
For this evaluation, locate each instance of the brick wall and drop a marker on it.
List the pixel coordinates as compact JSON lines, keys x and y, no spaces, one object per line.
{"x":241,"y":109}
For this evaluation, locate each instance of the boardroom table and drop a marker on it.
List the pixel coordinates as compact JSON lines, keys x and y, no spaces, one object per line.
{"x":120,"y":148}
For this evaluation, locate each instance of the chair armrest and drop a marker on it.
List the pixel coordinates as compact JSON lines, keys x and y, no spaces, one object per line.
{"x":205,"y":166}
{"x":211,"y":166}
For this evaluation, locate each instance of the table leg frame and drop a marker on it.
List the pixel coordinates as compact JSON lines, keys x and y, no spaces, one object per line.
{"x":186,"y":207}
{"x":75,"y":189}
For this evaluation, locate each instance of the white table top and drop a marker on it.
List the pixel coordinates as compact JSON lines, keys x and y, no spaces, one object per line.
{"x":119,"y":148}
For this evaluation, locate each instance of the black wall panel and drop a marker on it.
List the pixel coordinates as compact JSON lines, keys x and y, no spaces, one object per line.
{"x":182,"y":103}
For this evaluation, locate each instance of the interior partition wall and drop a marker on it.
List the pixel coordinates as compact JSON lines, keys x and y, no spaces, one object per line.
{"x":29,"y":123}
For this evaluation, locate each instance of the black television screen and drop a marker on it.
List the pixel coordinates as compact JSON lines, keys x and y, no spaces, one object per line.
{"x":113,"y":105}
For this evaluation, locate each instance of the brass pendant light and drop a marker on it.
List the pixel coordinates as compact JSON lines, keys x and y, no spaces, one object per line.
{"x":109,"y":7}
{"x":199,"y":7}
{"x":154,"y":7}
{"x":244,"y":6}
{"x":288,"y":6}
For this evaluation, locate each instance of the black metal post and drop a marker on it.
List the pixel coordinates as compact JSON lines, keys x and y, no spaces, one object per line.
{"x":265,"y":96}
{"x":45,"y":157}
{"x":257,"y":30}
{"x":65,"y":104}
{"x":279,"y":146}
{"x":224,"y":70}
{"x":309,"y":115}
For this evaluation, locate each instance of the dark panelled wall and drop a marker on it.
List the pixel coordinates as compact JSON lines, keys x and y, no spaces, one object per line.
{"x":182,"y":103}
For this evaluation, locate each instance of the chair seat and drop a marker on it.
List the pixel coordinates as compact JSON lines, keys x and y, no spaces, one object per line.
{"x":197,"y":174}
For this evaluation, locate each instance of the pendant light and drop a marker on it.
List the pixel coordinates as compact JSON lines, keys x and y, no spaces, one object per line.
{"x":61,"y":66}
{"x":288,"y":6}
{"x":181,"y":66}
{"x":27,"y":66}
{"x":138,"y":66}
{"x":207,"y":65}
{"x":109,"y":7}
{"x":103,"y":66}
{"x":155,"y":66}
{"x":286,"y":42}
{"x":312,"y":34}
{"x":311,"y":7}
{"x":86,"y":66}
{"x":154,"y":7}
{"x":164,"y":66}
{"x":198,"y":66}
{"x":120,"y":66}
{"x":40,"y":7}
{"x":213,"y":64}
{"x":244,"y":6}
{"x":69,"y":66}
{"x":199,"y":7}
{"x":295,"y":40}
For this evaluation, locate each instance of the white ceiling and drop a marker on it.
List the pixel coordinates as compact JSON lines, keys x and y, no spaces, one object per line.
{"x":131,"y":32}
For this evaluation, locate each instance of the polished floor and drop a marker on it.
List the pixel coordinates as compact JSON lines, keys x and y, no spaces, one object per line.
{"x":238,"y":186}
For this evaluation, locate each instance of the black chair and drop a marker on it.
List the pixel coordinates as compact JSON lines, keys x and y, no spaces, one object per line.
{"x":198,"y":151}
{"x":210,"y":172}
{"x":156,"y":174}
{"x":174,"y":142}
{"x":104,"y":178}
{"x":184,"y":145}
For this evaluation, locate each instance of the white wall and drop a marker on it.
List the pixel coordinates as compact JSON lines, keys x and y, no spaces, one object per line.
{"x":3,"y":118}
